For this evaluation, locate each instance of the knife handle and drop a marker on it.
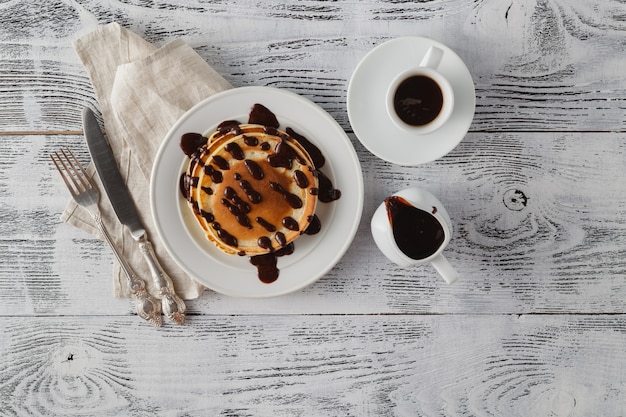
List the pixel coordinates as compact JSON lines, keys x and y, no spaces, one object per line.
{"x":173,"y":306}
{"x":148,"y":307}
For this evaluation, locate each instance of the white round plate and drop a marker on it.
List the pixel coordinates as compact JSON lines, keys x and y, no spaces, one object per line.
{"x":314,"y":255}
{"x":367,"y":97}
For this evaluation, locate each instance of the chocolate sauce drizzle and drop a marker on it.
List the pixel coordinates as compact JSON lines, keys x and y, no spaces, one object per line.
{"x":314,"y":226}
{"x":266,"y":264}
{"x":291,"y":224}
{"x":191,"y":142}
{"x":235,"y":150}
{"x":237,"y":207}
{"x":221,"y":162}
{"x":314,"y":152}
{"x":261,"y":115}
{"x":216,"y":176}
{"x":254,"y":169}
{"x":250,"y":140}
{"x":224,"y":235}
{"x":267,"y":225}
{"x":229,"y":126}
{"x":327,"y":192}
{"x":283,"y":156}
{"x":292,"y":199}
{"x":301,"y":179}
{"x":253,"y":195}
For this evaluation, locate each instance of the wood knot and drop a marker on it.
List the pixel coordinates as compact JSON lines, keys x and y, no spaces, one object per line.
{"x":563,"y":404}
{"x":515,"y":199}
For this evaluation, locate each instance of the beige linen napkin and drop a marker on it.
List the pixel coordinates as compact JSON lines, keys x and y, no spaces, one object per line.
{"x":142,"y":90}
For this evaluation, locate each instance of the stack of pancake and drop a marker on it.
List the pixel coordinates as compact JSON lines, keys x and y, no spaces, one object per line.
{"x":252,"y":188}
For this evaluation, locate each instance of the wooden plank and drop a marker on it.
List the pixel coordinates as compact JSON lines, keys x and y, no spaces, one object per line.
{"x":537,"y":208}
{"x":538,"y":221}
{"x":315,"y":366}
{"x":534,"y":63}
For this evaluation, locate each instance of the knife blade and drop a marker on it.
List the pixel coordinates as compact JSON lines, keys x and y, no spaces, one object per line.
{"x":126,"y":211}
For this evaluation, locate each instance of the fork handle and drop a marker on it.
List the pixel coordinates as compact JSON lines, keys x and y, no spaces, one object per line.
{"x":148,"y":307}
{"x":173,"y":306}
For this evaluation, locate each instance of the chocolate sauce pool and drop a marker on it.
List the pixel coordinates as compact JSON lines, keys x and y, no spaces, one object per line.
{"x":266,"y":264}
{"x":417,"y":233}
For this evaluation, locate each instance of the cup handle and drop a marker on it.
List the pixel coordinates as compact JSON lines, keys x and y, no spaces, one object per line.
{"x":432,"y":59}
{"x":447,"y":272}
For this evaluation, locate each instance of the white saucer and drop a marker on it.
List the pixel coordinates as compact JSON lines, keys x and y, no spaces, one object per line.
{"x":367,"y":96}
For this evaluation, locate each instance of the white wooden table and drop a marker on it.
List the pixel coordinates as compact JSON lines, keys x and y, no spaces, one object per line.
{"x":535,"y":326}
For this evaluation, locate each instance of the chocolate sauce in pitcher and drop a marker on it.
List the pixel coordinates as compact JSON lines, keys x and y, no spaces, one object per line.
{"x":417,"y":233}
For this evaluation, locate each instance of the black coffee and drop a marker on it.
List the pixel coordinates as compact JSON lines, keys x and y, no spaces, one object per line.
{"x":417,"y":233}
{"x":418,"y":100}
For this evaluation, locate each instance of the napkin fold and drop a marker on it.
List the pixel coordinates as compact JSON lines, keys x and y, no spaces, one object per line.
{"x":142,"y":90}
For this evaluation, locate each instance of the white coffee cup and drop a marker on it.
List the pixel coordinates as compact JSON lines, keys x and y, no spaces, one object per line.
{"x":417,"y":234}
{"x":421,"y":100}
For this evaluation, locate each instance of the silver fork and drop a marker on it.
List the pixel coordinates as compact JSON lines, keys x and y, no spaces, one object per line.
{"x":86,"y":194}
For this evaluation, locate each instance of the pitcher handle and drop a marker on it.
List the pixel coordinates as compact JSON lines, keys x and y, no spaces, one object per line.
{"x":447,"y":272}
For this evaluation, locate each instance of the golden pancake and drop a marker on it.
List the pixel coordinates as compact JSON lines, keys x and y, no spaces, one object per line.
{"x":252,"y":188}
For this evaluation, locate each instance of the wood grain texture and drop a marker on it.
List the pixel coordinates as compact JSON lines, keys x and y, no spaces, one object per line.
{"x":532,"y":234}
{"x":315,"y":366}
{"x":535,"y":326}
{"x":537,"y":64}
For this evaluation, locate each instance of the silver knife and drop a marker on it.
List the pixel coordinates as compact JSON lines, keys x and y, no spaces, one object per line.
{"x":124,"y":207}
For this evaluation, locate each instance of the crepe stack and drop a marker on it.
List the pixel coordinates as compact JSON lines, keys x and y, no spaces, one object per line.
{"x":252,"y":188}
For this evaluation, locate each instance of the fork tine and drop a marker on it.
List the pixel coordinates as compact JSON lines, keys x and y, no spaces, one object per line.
{"x":79,"y":172}
{"x":71,"y":171}
{"x":70,"y":182}
{"x":83,"y":170}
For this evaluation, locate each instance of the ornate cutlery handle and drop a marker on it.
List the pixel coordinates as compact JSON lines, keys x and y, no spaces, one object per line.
{"x":173,"y":306}
{"x":148,"y":307}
